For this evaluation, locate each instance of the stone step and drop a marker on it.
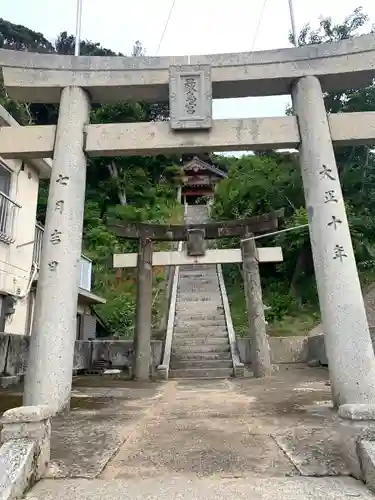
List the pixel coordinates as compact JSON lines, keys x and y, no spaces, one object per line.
{"x":202,"y":280}
{"x":201,"y":294}
{"x":195,"y":314}
{"x":199,"y":332}
{"x":199,"y":363}
{"x":194,"y":275}
{"x":198,"y":267}
{"x":218,"y":323}
{"x":189,"y":282}
{"x":188,"y":315}
{"x":192,"y":270}
{"x":208,"y":356}
{"x":197,"y":305}
{"x":212,"y":283}
{"x":183,"y":349}
{"x":204,"y":290}
{"x":198,"y":297}
{"x":200,"y":304}
{"x":200,"y":341}
{"x":198,"y":373}
{"x":193,"y":280}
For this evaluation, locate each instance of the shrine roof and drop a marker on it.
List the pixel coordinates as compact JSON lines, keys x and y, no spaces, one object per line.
{"x":197,"y":163}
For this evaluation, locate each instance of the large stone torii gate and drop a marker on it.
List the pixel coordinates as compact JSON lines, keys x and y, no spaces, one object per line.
{"x":190,"y":84}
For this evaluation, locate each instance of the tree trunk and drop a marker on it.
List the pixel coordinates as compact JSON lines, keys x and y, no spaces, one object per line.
{"x":121,"y":193}
{"x":300,"y":266}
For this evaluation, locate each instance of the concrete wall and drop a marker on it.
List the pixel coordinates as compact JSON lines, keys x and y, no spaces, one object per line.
{"x":283,"y":349}
{"x":16,"y":258}
{"x":292,"y":349}
{"x":317,"y":350}
{"x":14,"y":351}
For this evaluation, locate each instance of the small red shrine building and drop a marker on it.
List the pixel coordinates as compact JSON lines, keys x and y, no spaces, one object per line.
{"x":199,"y":179}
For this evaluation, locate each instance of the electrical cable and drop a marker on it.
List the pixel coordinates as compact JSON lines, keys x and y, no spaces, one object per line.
{"x":16,"y":267}
{"x":258,"y":26}
{"x":15,"y":275}
{"x":302,"y":226}
{"x":166,"y":26}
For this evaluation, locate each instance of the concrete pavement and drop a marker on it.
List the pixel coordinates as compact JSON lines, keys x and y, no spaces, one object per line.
{"x":179,"y":488}
{"x":201,"y":439}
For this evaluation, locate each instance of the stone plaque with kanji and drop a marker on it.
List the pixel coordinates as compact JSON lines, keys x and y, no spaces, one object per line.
{"x":195,"y":242}
{"x":190,"y":97}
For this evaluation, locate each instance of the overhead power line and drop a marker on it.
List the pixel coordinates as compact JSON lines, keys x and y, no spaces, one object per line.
{"x":258,"y":26}
{"x":165,"y":26}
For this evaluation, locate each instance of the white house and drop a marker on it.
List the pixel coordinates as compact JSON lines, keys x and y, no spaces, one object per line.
{"x":21,"y":245}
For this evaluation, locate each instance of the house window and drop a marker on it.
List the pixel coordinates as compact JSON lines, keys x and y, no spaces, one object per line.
{"x":86,"y":269}
{"x":8,"y":208}
{"x":79,"y":327}
{"x":5,"y":179}
{"x":2,"y":315}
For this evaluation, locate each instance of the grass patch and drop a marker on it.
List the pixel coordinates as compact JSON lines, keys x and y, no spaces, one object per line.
{"x":296,"y":324}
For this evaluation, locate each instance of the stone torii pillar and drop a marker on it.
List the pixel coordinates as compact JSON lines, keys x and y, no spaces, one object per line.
{"x":49,"y":374}
{"x":260,"y":350}
{"x":347,"y":338}
{"x":143,"y":323}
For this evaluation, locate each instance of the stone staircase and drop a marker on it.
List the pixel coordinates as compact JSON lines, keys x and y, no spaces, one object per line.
{"x":200,"y":347}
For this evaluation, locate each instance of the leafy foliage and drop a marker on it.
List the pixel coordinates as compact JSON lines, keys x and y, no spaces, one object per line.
{"x":271,"y":180}
{"x":132,"y":188}
{"x":144,"y":189}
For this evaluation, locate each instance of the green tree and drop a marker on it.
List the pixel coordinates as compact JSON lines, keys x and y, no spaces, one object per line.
{"x":271,"y":180}
{"x":133,"y":188}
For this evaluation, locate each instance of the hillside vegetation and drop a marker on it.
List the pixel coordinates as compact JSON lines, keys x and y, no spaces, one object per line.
{"x":271,"y":180}
{"x":144,"y":189}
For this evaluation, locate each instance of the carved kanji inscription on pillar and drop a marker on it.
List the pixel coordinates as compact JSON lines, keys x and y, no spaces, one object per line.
{"x":326,"y":173}
{"x":335,"y":222}
{"x":330,"y":196}
{"x":339,"y":253}
{"x":190,"y":97}
{"x":55,"y":237}
{"x":53,"y":265}
{"x":59,"y":206}
{"x":62,"y":179}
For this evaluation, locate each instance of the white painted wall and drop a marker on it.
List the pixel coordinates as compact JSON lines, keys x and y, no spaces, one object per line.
{"x":16,"y":258}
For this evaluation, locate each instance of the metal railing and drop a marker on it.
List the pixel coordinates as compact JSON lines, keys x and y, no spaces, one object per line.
{"x":85,"y":263}
{"x":8,"y":214}
{"x":85,"y":276}
{"x":38,"y":241}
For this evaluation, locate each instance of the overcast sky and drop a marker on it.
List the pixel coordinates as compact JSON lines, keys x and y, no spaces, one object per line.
{"x":195,"y":27}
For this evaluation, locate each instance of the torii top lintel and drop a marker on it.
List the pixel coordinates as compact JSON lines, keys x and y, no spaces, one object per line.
{"x":36,"y":77}
{"x":213,"y":230}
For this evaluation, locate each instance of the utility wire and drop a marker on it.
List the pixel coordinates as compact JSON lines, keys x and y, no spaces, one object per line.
{"x":166,"y":26}
{"x":16,"y":267}
{"x":15,"y":275}
{"x":258,"y":26}
{"x":302,"y":226}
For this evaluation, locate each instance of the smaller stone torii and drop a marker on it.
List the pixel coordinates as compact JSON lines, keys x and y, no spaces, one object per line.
{"x":195,"y":235}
